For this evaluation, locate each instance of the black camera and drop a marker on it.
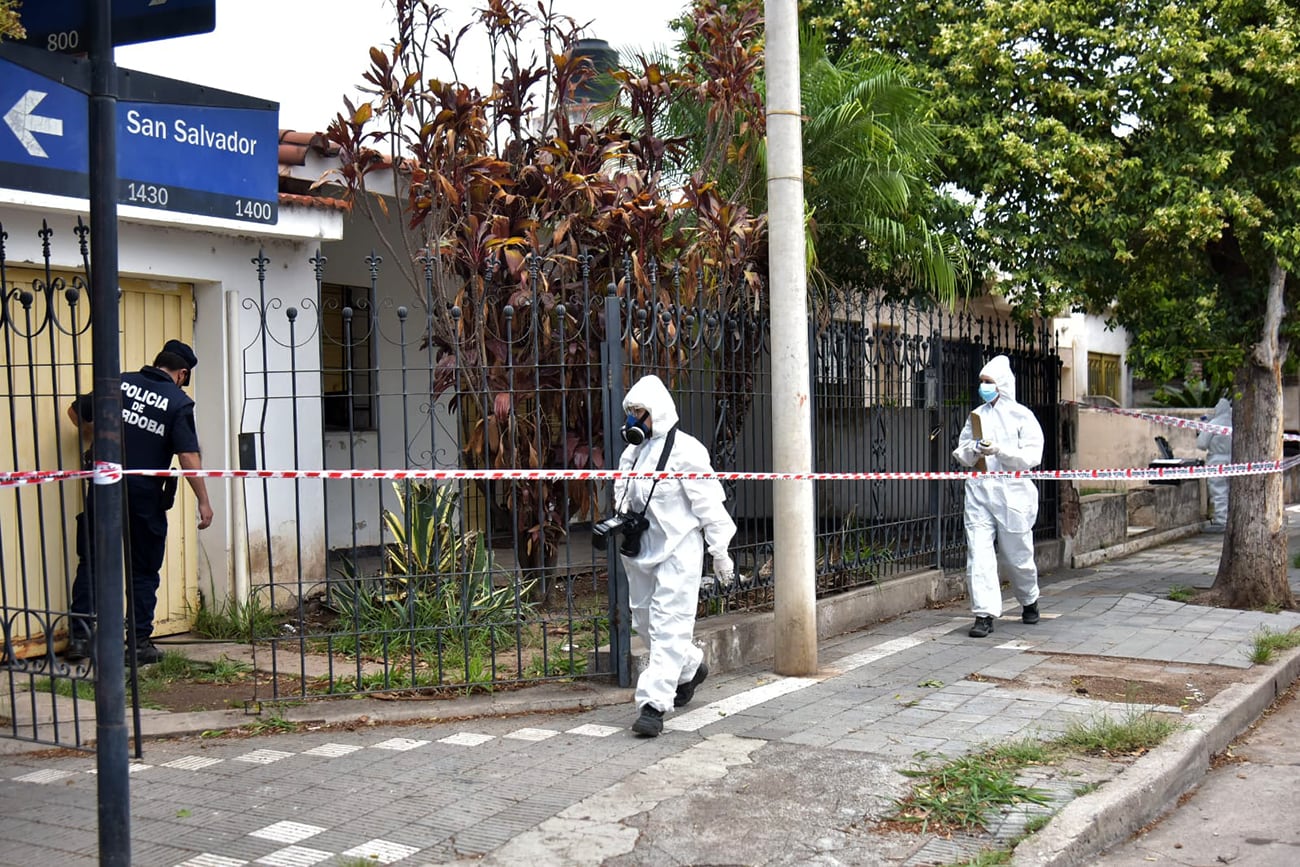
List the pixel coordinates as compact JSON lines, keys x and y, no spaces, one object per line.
{"x":630,"y":525}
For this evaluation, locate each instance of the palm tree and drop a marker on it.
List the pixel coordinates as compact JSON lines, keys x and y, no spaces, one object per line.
{"x":869,"y":160}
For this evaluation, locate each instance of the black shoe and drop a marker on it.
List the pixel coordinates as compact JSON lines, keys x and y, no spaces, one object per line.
{"x":79,"y":648}
{"x":1029,"y":614}
{"x":146,"y":653}
{"x":686,"y":691}
{"x":650,"y":723}
{"x":983,"y":626}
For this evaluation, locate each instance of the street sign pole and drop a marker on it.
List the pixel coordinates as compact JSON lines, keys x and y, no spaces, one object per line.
{"x":114,"y":787}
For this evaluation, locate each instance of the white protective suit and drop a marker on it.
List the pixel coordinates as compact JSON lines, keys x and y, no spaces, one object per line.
{"x":1001,"y":506}
{"x":664,"y":579}
{"x":1218,"y":450}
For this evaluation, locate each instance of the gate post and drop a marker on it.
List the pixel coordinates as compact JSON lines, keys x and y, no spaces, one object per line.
{"x":611,"y":364}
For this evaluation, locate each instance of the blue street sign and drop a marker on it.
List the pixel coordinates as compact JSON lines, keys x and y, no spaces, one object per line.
{"x":62,"y":25}
{"x":218,"y":159}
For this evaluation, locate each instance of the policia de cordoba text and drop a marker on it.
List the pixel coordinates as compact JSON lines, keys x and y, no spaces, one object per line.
{"x":198,"y":135}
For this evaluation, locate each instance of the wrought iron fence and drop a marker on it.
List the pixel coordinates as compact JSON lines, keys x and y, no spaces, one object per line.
{"x":44,"y":341}
{"x":416,"y":586}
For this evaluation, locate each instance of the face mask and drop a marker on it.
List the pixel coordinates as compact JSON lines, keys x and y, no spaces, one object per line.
{"x":634,"y":430}
{"x":988,"y":391}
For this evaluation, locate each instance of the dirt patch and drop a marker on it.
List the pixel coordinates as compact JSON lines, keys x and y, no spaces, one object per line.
{"x":1127,"y":681}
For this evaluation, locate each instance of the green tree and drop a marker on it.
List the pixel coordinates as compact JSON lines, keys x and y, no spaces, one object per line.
{"x":1142,"y":158}
{"x":870,"y":146}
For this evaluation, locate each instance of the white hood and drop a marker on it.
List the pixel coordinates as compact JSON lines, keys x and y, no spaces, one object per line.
{"x":651,"y":393}
{"x":999,"y":368}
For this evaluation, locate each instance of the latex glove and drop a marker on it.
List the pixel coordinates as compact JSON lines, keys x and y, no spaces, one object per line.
{"x":724,"y":569}
{"x":987,"y":450}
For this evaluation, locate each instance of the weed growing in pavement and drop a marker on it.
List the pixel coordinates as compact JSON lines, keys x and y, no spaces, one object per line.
{"x":1035,"y":824}
{"x":963,"y":792}
{"x":987,"y":858}
{"x":1086,"y":789}
{"x":1180,"y":593}
{"x":1295,"y":561}
{"x":1268,"y":642}
{"x":235,"y":620}
{"x":1134,"y":734}
{"x":269,"y":725}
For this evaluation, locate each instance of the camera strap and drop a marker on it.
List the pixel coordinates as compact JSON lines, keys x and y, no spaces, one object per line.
{"x":663,"y":462}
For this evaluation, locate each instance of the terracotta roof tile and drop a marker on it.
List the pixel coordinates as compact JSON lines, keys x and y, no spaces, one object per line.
{"x":324,"y":203}
{"x":295,"y":146}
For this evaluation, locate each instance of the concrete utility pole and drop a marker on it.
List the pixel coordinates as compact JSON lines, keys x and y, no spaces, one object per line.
{"x":795,"y":641}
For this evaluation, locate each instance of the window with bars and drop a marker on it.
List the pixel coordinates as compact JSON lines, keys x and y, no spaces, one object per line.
{"x":347,"y":358}
{"x":1103,"y":375}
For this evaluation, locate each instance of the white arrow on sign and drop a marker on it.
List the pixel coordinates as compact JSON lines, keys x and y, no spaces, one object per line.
{"x":23,"y":123}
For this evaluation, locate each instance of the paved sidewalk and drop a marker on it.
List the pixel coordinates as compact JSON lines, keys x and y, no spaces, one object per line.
{"x":760,"y":769}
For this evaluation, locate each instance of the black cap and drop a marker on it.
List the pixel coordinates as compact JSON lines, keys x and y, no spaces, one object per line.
{"x":183,"y":352}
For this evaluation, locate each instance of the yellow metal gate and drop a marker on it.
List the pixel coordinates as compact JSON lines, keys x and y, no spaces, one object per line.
{"x":46,"y":352}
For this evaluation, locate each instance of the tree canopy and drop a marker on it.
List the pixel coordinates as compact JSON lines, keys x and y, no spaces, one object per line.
{"x":1137,"y":158}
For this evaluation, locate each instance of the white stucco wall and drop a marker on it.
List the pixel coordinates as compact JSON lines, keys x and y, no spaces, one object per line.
{"x":214,"y":256}
{"x":1079,"y":334}
{"x":411,"y":429}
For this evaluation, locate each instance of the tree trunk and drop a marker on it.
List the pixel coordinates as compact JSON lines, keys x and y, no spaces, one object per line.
{"x":1253,"y":566}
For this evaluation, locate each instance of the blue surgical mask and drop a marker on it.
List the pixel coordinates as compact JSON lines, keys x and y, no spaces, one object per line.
{"x":635,"y":430}
{"x":988,"y":391}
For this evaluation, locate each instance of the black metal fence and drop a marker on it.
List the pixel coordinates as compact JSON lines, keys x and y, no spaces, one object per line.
{"x":358,"y":586}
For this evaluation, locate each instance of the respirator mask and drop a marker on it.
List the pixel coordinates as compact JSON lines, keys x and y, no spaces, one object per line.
{"x":634,"y":430}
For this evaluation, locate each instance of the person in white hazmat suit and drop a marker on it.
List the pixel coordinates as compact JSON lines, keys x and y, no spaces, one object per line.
{"x":1000,"y":434}
{"x":1218,"y":450}
{"x":683,"y":518}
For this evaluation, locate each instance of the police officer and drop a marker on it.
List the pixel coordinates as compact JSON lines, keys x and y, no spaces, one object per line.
{"x":157,"y":424}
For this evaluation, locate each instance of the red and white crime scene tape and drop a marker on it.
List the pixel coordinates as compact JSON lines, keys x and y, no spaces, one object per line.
{"x":107,"y":474}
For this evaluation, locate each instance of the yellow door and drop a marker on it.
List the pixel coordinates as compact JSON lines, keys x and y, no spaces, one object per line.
{"x":45,"y":346}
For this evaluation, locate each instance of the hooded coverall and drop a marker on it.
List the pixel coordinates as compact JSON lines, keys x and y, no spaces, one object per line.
{"x":1218,"y":450}
{"x":1003,"y":507}
{"x":664,"y":578}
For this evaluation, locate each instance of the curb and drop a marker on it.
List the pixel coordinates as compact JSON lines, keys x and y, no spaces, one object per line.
{"x":559,"y":699}
{"x":1145,"y":790}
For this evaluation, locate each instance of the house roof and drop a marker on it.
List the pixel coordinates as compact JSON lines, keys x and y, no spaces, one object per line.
{"x":294,"y":150}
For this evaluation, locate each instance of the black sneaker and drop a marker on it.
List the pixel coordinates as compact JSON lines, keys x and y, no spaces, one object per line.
{"x":1029,"y":614}
{"x":79,"y":648}
{"x":983,"y":626}
{"x":146,"y":653}
{"x":686,"y":691}
{"x":650,"y":723}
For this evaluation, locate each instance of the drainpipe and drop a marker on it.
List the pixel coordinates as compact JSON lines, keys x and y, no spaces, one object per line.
{"x":237,"y":523}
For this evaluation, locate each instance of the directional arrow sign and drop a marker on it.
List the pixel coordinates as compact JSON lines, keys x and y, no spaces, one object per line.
{"x":22,"y":120}
{"x":217,"y":157}
{"x":62,"y":25}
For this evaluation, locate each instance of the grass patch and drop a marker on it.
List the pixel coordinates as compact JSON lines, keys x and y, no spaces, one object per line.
{"x":235,"y":620}
{"x":1267,"y":643}
{"x":1180,"y":593}
{"x":66,"y":687}
{"x":1295,"y":561}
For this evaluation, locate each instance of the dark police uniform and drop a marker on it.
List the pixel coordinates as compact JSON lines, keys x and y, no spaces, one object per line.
{"x":157,"y":424}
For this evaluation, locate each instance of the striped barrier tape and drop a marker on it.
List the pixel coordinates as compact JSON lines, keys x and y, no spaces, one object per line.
{"x":1168,"y":420}
{"x":108,"y":474}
